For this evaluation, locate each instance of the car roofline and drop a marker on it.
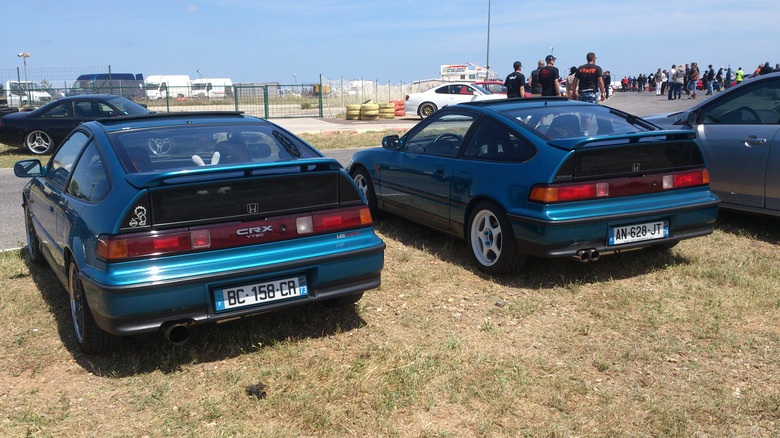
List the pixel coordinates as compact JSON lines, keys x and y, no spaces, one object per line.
{"x":156,"y":116}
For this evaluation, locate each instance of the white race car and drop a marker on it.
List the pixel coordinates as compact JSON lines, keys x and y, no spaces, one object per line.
{"x":426,"y":103}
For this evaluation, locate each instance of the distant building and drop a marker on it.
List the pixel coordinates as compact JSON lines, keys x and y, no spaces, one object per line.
{"x":465,"y":72}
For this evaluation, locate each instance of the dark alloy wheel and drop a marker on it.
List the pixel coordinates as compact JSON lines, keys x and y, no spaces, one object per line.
{"x":91,"y":338}
{"x":33,"y":244}
{"x":427,"y":109}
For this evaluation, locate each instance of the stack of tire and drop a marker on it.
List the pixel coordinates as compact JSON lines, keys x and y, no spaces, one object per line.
{"x":387,"y":110}
{"x":399,"y":108}
{"x":353,"y":111}
{"x":369,"y":111}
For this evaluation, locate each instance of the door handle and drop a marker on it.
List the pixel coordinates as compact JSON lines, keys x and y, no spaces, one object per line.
{"x":752,"y":140}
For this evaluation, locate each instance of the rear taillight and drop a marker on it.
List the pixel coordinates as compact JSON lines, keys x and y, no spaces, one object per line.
{"x":613,"y":188}
{"x":407,"y":97}
{"x":114,"y":248}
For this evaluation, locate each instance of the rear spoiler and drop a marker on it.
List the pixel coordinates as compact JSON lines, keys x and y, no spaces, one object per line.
{"x":574,"y":144}
{"x":147,"y":179}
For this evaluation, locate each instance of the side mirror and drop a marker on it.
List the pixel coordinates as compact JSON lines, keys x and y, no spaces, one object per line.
{"x":28,"y":168}
{"x":392,"y":142}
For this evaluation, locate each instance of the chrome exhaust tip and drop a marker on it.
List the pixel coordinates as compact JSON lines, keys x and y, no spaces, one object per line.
{"x":594,"y":255}
{"x":176,"y":333}
{"x":583,"y":256}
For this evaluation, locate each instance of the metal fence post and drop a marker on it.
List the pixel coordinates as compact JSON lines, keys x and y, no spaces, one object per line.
{"x":265,"y":101}
{"x":322,"y":91}
{"x":235,"y":96}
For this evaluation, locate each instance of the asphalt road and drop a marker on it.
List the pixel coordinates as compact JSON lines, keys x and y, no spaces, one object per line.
{"x":12,"y":218}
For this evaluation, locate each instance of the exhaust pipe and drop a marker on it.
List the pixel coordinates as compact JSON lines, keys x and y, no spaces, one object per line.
{"x":587,"y":255}
{"x":583,"y":256}
{"x":177,"y":333}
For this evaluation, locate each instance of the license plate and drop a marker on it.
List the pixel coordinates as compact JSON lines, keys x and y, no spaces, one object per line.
{"x":638,"y":232}
{"x":260,"y":293}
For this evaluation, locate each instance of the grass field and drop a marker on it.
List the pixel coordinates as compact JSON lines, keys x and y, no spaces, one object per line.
{"x":683,"y":343}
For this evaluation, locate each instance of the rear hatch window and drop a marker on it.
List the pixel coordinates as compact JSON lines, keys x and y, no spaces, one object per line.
{"x":576,"y":121}
{"x":163,"y":149}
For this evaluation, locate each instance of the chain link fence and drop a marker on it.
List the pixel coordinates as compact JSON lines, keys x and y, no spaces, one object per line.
{"x":36,"y":86}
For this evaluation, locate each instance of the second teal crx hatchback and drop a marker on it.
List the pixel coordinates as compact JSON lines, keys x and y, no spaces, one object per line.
{"x":542,"y":177}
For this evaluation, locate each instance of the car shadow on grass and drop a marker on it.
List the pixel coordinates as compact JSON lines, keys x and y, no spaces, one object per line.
{"x":537,"y":273}
{"x":763,"y":228}
{"x":150,"y":352}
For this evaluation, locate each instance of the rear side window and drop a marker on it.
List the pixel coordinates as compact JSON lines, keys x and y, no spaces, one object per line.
{"x":60,"y":110}
{"x":89,"y":180}
{"x":61,"y":164}
{"x":181,"y":147}
{"x":494,"y":142}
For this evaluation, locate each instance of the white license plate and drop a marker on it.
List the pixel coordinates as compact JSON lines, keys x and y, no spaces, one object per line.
{"x":260,"y":293}
{"x":638,"y":232}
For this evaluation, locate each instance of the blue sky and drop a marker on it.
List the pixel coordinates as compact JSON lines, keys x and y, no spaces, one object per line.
{"x":404,"y":40}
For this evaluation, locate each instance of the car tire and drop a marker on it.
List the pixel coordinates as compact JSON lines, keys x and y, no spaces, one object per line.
{"x":491,"y":240}
{"x":38,"y":142}
{"x":363,"y":181}
{"x":427,"y":109}
{"x":344,"y":300}
{"x":91,"y":338}
{"x":33,"y":244}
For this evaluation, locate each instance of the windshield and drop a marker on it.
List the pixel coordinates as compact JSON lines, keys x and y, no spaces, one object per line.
{"x":152,"y":85}
{"x":576,"y":121}
{"x":199,"y":87}
{"x":180,"y":147}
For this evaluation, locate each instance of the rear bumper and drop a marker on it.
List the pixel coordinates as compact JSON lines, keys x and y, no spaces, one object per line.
{"x":563,"y":238}
{"x":144,"y":307}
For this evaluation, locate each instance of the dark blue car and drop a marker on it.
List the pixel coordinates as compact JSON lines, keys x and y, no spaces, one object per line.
{"x":164,"y":221}
{"x":541,"y":177}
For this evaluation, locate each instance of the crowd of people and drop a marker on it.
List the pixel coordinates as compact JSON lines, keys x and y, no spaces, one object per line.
{"x":590,"y":83}
{"x":688,"y":78}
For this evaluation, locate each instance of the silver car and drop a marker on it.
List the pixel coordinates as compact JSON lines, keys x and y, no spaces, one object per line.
{"x":739,"y":133}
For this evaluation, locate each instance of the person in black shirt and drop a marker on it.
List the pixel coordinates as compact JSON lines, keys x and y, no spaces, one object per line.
{"x":515,"y":82}
{"x":590,"y":79}
{"x":536,"y":87}
{"x":548,"y":77}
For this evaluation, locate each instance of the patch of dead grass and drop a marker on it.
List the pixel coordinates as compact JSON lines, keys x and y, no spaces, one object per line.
{"x":681,"y":343}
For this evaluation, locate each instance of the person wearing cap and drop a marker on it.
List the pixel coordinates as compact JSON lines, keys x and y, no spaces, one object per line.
{"x":548,"y":77}
{"x":590,"y":79}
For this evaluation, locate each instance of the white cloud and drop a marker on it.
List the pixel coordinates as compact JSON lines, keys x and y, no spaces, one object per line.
{"x":192,"y":8}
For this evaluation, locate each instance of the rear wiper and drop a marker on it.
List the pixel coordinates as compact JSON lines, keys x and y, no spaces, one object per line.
{"x":287,"y":144}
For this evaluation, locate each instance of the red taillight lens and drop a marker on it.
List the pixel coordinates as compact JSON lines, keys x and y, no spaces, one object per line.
{"x":552,"y":193}
{"x":130,"y":246}
{"x":150,"y":244}
{"x":341,"y":219}
{"x":407,"y":97}
{"x":689,"y":179}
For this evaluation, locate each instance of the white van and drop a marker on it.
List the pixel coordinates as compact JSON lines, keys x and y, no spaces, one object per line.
{"x":21,"y":93}
{"x":212,"y":88}
{"x":164,"y":86}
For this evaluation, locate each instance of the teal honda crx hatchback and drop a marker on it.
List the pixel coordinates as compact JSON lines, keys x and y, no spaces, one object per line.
{"x":542,"y":177}
{"x":165,"y":221}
